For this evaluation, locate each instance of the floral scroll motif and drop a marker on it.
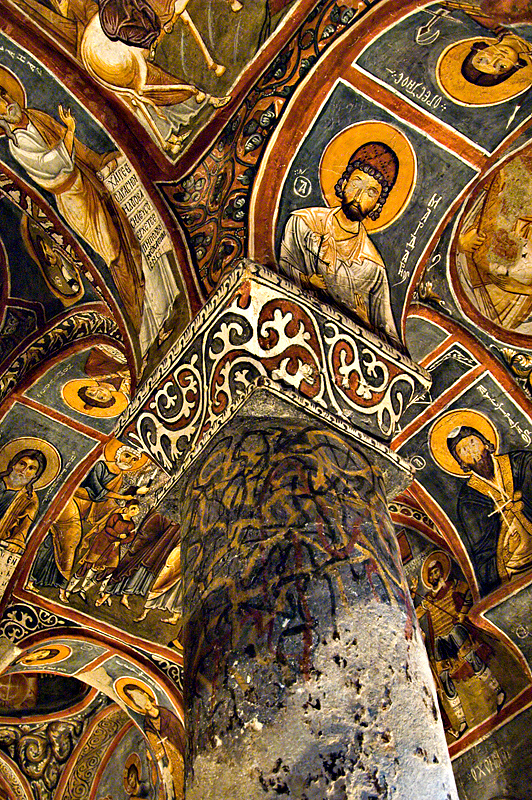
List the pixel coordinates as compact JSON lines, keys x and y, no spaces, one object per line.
{"x":258,"y":327}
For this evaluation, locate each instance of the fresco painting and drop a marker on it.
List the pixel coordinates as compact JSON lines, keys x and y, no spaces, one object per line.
{"x":498,"y":766}
{"x":172,"y":64}
{"x":94,"y":500}
{"x":488,"y":479}
{"x":357,"y":246}
{"x":473,"y":671}
{"x":441,"y":58}
{"x":127,"y":774}
{"x":31,"y":467}
{"x":40,"y":256}
{"x":92,"y":386}
{"x":57,"y":657}
{"x":140,"y":144}
{"x":498,"y":539}
{"x":109,"y":549}
{"x":163,"y":730}
{"x":511,"y":616}
{"x":490,"y":251}
{"x":96,"y":193}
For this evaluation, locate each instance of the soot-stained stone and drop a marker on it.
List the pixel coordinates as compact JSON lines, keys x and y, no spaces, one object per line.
{"x":306,"y":675}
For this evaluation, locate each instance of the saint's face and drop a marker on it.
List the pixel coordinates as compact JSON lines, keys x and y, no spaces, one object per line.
{"x":495,"y":59}
{"x":361,"y":195}
{"x":143,"y":701}
{"x":5,"y":102}
{"x":470,"y":450}
{"x":127,"y":460}
{"x":9,"y":109}
{"x":23,"y":471}
{"x":99,"y":393}
{"x":434,"y":574}
{"x":40,"y":655}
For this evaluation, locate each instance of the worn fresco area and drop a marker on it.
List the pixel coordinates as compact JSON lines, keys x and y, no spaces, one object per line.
{"x":489,"y":256}
{"x":171,"y":64}
{"x":50,"y":140}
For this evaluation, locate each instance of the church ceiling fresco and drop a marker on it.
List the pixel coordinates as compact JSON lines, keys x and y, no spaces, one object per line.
{"x":143,"y":160}
{"x":99,"y":197}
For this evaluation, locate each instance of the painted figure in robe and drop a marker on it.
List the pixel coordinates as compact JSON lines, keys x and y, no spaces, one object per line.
{"x":494,"y":507}
{"x":329,"y":249}
{"x":452,"y":650}
{"x":19,"y":503}
{"x":59,"y":163}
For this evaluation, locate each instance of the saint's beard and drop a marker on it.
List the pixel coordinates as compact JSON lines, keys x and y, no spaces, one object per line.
{"x":13,"y":116}
{"x":435,"y":587}
{"x":484,"y":466}
{"x":18,"y":481}
{"x":352,"y":211}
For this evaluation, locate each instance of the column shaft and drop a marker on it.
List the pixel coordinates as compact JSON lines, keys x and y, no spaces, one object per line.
{"x":306,"y":676}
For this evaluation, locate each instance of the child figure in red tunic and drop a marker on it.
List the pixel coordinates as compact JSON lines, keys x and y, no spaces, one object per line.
{"x":103,"y":554}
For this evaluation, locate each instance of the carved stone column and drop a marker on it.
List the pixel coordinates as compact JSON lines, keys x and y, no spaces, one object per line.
{"x":305,"y":672}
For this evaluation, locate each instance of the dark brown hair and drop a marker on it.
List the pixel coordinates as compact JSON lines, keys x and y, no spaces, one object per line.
{"x":479,"y":78}
{"x":37,"y":456}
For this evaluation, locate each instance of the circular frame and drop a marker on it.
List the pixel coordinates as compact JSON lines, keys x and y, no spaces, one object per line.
{"x":52,"y":455}
{"x":436,"y":555}
{"x":458,"y":89}
{"x":336,"y":156}
{"x":448,"y":422}
{"x":70,"y":396}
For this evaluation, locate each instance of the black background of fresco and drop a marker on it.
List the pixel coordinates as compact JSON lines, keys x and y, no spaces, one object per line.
{"x":478,"y":772}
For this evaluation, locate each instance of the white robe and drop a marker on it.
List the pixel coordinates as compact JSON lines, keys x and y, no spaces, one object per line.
{"x":352,"y":269}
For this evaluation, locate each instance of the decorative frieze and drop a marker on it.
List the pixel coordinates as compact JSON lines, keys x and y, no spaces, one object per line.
{"x":258,"y":330}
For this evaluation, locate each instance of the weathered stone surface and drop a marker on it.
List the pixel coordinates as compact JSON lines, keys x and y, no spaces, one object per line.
{"x":306,"y":674}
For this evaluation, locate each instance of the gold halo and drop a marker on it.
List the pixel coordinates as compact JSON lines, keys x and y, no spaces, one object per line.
{"x":459,"y":90}
{"x":127,"y":680}
{"x":437,"y":555}
{"x":63,"y":652}
{"x":113,"y":445}
{"x":133,"y":758}
{"x":13,"y":86}
{"x":447,"y":423}
{"x":73,"y":400}
{"x":340,"y":149}
{"x":53,"y":458}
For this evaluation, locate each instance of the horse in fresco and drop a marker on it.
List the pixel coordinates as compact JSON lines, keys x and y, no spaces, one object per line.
{"x":116,"y":40}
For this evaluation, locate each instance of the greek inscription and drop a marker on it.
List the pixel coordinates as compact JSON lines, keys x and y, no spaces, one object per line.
{"x":417,"y":90}
{"x":302,"y":186}
{"x":491,"y":764}
{"x":524,"y":433}
{"x":412,"y":239}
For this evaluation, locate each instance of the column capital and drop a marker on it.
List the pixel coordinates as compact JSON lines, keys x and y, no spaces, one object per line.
{"x":258,"y":336}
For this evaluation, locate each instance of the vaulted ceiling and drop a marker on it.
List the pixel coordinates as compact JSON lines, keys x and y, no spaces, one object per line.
{"x":168,"y":146}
